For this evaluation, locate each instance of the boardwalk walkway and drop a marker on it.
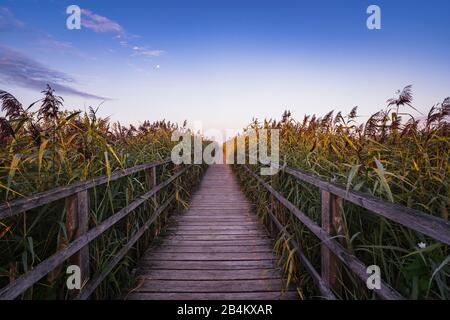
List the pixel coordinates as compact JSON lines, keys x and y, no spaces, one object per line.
{"x":216,"y":250}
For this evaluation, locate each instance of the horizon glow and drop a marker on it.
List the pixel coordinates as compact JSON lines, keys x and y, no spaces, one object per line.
{"x":224,"y":63}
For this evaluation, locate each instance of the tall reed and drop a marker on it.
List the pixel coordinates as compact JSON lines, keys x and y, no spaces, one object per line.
{"x":393,"y":156}
{"x":42,"y":147}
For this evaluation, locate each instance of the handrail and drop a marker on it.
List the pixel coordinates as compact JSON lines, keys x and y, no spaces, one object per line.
{"x":432,"y":226}
{"x":25,"y":281}
{"x":9,"y":209}
{"x":323,"y":287}
{"x":385,"y":292}
{"x":95,"y":282}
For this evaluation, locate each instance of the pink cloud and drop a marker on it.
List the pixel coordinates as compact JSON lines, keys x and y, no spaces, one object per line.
{"x":101,"y":24}
{"x":98,"y":23}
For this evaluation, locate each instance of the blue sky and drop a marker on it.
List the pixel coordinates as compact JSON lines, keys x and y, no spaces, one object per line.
{"x":225,"y":62}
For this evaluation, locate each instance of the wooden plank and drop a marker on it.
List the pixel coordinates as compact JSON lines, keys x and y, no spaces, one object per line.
{"x":209,"y":265}
{"x":333,"y":225}
{"x":220,"y":215}
{"x":81,"y":258}
{"x":220,"y":202}
{"x":202,"y":275}
{"x":222,"y":243}
{"x":211,"y":285}
{"x":200,"y":205}
{"x":209,"y":256}
{"x":266,"y":295}
{"x":151,"y":177}
{"x":216,"y":237}
{"x":151,"y":182}
{"x":213,"y":249}
{"x":216,"y":228}
{"x":217,"y":233}
{"x":9,"y":209}
{"x":218,"y":224}
{"x":219,"y":209}
{"x":188,"y":216}
{"x":70,"y":224}
{"x":214,"y":218}
{"x":274,"y":206}
{"x":220,"y":219}
{"x":230,"y":206}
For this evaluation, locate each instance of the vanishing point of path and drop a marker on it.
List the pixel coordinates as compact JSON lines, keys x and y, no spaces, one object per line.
{"x":217,"y":249}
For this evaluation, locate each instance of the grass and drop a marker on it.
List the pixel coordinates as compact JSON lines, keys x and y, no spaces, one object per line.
{"x":42,"y":147}
{"x":392,"y":156}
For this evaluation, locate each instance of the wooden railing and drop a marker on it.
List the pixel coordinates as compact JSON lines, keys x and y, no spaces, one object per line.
{"x":77,"y":209}
{"x":333,"y":251}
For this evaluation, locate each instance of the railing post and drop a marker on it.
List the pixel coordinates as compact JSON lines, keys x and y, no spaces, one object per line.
{"x":77,"y":219}
{"x":151,"y":183}
{"x":176,"y":185}
{"x":273,"y":202}
{"x":333,"y":224}
{"x":76,"y":224}
{"x":150,"y":178}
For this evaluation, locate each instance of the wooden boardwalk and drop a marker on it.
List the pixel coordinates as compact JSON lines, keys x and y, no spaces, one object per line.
{"x":216,"y":250}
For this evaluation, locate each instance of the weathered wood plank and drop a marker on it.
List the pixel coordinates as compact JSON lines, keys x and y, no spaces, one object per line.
{"x":333,"y":225}
{"x":151,"y":182}
{"x":201,"y":275}
{"x":218,"y":232}
{"x":229,"y":243}
{"x":218,"y":224}
{"x":213,"y":249}
{"x":81,"y":258}
{"x":217,"y":237}
{"x":209,"y":265}
{"x":266,"y":295}
{"x":211,"y":285}
{"x":215,"y":228}
{"x":219,"y":215}
{"x":209,"y":256}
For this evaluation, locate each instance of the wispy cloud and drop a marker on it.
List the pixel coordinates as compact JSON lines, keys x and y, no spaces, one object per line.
{"x":41,"y":40}
{"x":8,"y":21}
{"x":100,"y":24}
{"x":46,"y":42}
{"x":18,"y":69}
{"x":146,"y":52}
{"x":49,"y":42}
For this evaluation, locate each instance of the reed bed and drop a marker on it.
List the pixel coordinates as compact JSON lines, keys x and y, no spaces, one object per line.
{"x":393,"y":156}
{"x":42,"y":147}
